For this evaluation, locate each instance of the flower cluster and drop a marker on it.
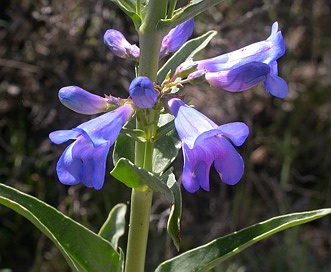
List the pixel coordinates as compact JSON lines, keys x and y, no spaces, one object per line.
{"x":203,"y":142}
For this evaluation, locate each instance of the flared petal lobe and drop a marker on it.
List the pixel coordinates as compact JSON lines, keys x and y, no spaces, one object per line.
{"x":84,"y":160}
{"x":205,"y":143}
{"x":142,"y":92}
{"x":176,"y":37}
{"x":81,"y":101}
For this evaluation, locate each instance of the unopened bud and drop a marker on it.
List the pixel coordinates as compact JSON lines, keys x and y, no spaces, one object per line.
{"x":142,"y":92}
{"x":117,"y":43}
{"x":81,"y":101}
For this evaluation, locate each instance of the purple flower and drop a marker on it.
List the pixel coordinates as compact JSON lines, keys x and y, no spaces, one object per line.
{"x":203,"y":142}
{"x":233,"y":66}
{"x":142,"y":92}
{"x":240,"y":78}
{"x":81,"y":101}
{"x":117,"y":43}
{"x":176,"y":37}
{"x":84,"y":160}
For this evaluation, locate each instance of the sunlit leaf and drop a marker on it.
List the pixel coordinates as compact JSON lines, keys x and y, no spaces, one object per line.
{"x":188,"y":50}
{"x":135,"y":177}
{"x":114,"y":226}
{"x":83,"y":249}
{"x":129,"y":7}
{"x":208,"y":256}
{"x":192,"y":9}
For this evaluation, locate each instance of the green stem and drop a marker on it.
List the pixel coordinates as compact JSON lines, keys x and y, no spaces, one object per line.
{"x":141,"y":198}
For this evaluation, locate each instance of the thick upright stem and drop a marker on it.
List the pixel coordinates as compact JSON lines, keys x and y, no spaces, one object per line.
{"x":141,"y":198}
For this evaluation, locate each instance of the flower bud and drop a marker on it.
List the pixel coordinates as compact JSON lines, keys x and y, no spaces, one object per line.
{"x":81,"y":101}
{"x":142,"y":92}
{"x":176,"y":37}
{"x":117,"y":43}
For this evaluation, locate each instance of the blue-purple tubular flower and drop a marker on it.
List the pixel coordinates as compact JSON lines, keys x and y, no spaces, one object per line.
{"x":240,"y":78}
{"x":117,"y":43}
{"x":81,"y":101}
{"x":267,"y":52}
{"x":203,"y":142}
{"x":176,"y":37}
{"x":84,"y":160}
{"x":142,"y":92}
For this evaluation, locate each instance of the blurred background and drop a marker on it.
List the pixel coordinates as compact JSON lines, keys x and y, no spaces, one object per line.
{"x":45,"y":45}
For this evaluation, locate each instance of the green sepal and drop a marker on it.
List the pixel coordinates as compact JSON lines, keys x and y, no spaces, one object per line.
{"x":205,"y":257}
{"x":83,"y":249}
{"x":137,"y":177}
{"x":191,"y":10}
{"x":114,"y":226}
{"x":187,"y":51}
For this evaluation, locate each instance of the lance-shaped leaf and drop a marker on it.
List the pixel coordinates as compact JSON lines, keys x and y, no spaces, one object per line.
{"x":135,"y":177}
{"x":188,"y":50}
{"x":114,"y":226}
{"x":83,"y":249}
{"x":192,"y":9}
{"x":208,"y":256}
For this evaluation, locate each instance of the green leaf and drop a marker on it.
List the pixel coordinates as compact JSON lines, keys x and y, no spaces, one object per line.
{"x":125,"y":145}
{"x":83,"y":249}
{"x":191,"y":10}
{"x":208,"y":256}
{"x":136,"y":134}
{"x":188,"y":50}
{"x":135,"y":177}
{"x":167,"y":145}
{"x":129,"y":7}
{"x":175,"y":200}
{"x":114,"y":226}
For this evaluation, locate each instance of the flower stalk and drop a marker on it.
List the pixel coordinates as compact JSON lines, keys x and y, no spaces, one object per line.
{"x":141,"y":198}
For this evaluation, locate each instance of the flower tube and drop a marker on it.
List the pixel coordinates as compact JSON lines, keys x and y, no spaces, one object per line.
{"x":81,"y":101}
{"x":203,"y":142}
{"x":84,"y":160}
{"x":266,"y":51}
